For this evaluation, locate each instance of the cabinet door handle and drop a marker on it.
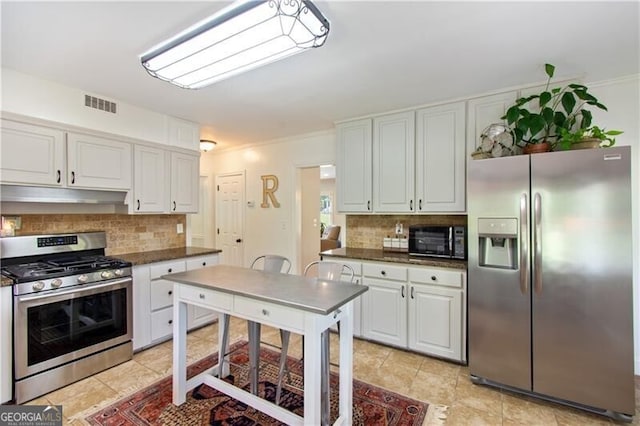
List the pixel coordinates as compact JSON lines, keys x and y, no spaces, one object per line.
{"x":138,"y":205}
{"x":73,"y":177}
{"x":58,"y":176}
{"x":434,"y":278}
{"x":383,"y":273}
{"x":403,"y":292}
{"x":170,"y":270}
{"x":170,"y":322}
{"x":369,"y":205}
{"x":420,"y":204}
{"x":201,"y":296}
{"x":265,"y":312}
{"x":170,"y":292}
{"x":204,"y":263}
{"x":411,"y":205}
{"x":239,"y":240}
{"x":412,"y":288}
{"x":174,"y":206}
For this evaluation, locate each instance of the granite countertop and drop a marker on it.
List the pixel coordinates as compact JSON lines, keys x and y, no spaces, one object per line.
{"x":5,"y":282}
{"x":144,"y":257}
{"x":378,"y":255}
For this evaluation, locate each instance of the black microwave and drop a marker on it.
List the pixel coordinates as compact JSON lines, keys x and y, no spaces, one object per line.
{"x":438,"y":241}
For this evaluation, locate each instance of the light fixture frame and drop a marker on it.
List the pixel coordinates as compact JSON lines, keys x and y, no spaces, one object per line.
{"x":221,"y":17}
{"x":207,"y":145}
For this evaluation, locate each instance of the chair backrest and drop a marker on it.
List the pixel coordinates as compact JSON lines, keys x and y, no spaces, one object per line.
{"x":327,"y":270}
{"x":272,"y":263}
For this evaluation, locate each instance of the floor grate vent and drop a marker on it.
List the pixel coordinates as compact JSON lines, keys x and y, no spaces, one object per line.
{"x":101,"y":104}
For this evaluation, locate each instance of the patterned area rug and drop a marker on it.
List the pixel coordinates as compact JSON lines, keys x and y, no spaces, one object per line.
{"x":206,"y":406}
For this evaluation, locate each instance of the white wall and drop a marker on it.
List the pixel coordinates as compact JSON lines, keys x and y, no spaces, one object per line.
{"x":273,"y":230}
{"x":31,"y":96}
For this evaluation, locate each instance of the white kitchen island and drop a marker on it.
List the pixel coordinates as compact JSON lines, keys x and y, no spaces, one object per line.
{"x":302,"y":305}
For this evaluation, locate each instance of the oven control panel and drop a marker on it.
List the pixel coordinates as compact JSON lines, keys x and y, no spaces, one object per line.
{"x":57,"y":240}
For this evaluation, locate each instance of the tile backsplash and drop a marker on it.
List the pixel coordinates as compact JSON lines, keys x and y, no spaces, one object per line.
{"x":367,"y":231}
{"x":125,"y":233}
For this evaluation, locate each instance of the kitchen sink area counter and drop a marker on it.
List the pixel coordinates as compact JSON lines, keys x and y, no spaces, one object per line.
{"x":379,"y":255}
{"x":5,"y":282}
{"x":415,"y":303}
{"x":146,"y":257}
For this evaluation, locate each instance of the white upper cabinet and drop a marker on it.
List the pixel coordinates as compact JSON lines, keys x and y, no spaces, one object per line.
{"x":440,"y":158}
{"x":481,"y":112}
{"x":95,"y":162}
{"x":184,"y":134}
{"x":185,"y":172}
{"x":31,"y":154}
{"x":150,"y":180}
{"x":353,"y":166}
{"x":393,"y":162}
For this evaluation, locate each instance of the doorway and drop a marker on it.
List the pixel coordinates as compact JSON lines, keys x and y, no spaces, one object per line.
{"x":316,"y":210}
{"x":230,"y":195}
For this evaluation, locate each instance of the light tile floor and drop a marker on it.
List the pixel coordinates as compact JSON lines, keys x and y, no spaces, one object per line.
{"x":417,"y":376}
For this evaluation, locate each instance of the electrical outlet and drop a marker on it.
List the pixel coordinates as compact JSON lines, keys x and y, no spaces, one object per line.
{"x":398,"y":228}
{"x":179,"y":228}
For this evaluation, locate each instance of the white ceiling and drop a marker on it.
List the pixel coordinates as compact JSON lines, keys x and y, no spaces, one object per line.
{"x":380,"y":56}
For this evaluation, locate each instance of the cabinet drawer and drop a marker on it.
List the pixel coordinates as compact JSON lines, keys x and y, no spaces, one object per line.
{"x":161,"y":292}
{"x":160,"y":269}
{"x":388,"y":272}
{"x":443,"y":277}
{"x":215,"y":300}
{"x":201,"y":262}
{"x":269,"y":313}
{"x":161,"y":323}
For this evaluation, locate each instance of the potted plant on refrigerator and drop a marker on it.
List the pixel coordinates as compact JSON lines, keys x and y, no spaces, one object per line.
{"x":592,"y":137}
{"x":538,"y":120}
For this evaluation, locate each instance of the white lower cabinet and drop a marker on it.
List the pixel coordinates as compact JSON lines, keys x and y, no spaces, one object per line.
{"x":153,"y":300}
{"x":419,"y":308}
{"x":6,"y":344}
{"x":436,"y":318}
{"x":384,"y":306}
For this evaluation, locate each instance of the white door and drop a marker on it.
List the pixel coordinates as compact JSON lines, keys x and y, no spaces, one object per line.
{"x":384,"y":312}
{"x":440,"y":158}
{"x":185,"y":172}
{"x":230,"y":218}
{"x":95,"y":162}
{"x":435,"y":321}
{"x":353,"y":166}
{"x":150,"y":174}
{"x":43,"y":163}
{"x":393,"y":163}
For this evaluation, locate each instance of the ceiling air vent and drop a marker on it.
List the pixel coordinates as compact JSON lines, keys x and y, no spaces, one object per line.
{"x":101,"y":104}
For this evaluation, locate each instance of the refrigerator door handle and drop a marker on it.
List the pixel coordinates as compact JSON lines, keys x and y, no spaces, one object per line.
{"x":524,"y":245}
{"x":537,"y":243}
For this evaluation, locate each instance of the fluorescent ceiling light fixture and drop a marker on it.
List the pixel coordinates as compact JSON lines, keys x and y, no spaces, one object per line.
{"x":207,"y":145}
{"x":246,"y":35}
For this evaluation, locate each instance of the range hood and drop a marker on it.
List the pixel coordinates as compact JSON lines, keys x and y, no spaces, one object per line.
{"x":38,"y":194}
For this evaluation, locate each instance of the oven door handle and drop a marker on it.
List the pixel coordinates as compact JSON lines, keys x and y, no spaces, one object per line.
{"x":59,"y":294}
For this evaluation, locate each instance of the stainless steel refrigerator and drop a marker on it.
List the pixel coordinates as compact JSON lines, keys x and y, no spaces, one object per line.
{"x":550,"y":277}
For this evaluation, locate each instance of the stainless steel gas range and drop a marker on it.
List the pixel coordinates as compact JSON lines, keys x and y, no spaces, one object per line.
{"x":72,"y":309}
